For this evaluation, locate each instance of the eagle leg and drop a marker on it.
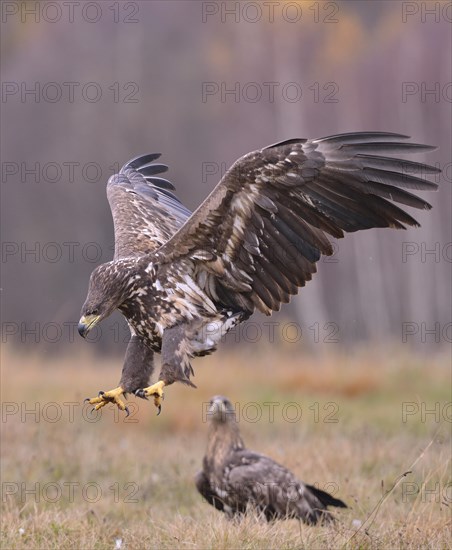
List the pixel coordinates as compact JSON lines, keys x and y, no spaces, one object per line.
{"x":112,"y":396}
{"x":138,"y":365}
{"x":137,"y":369}
{"x":175,"y":364}
{"x":156,"y":390}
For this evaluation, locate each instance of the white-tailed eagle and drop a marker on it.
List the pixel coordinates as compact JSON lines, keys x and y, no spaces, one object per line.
{"x":183,"y":280}
{"x":235,"y":479}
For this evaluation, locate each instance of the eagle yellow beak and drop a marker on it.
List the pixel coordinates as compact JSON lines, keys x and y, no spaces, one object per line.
{"x":86,"y":323}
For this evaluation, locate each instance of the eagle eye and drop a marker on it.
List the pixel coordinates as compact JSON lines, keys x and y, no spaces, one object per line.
{"x":93,"y":312}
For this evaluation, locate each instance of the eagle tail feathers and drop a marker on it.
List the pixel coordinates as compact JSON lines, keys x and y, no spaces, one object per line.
{"x":326,"y":498}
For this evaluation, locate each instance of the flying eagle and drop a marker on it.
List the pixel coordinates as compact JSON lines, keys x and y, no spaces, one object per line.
{"x":183,"y":280}
{"x":235,"y":479}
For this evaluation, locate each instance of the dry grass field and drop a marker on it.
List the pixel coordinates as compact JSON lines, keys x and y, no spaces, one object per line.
{"x":351,"y":423}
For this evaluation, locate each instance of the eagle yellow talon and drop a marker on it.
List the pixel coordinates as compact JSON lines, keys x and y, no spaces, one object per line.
{"x":156,"y":390}
{"x":112,"y":396}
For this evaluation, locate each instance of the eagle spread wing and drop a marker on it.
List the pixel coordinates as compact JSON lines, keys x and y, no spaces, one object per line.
{"x":234,"y":478}
{"x":258,"y":235}
{"x":145,"y":211}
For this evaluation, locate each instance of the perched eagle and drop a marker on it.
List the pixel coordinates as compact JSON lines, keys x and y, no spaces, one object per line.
{"x":234,"y":479}
{"x":183,"y":280}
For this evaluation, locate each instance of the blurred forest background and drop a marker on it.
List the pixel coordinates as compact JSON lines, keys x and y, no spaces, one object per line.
{"x":112,"y":80}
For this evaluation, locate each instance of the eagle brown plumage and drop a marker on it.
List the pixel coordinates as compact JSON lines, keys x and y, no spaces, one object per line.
{"x":235,"y":480}
{"x":183,"y":280}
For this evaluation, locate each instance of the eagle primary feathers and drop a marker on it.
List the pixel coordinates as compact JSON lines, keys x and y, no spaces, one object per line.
{"x":183,"y":280}
{"x":234,"y":479}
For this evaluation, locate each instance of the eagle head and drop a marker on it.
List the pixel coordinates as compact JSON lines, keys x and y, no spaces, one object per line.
{"x":106,"y":292}
{"x":221,"y":410}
